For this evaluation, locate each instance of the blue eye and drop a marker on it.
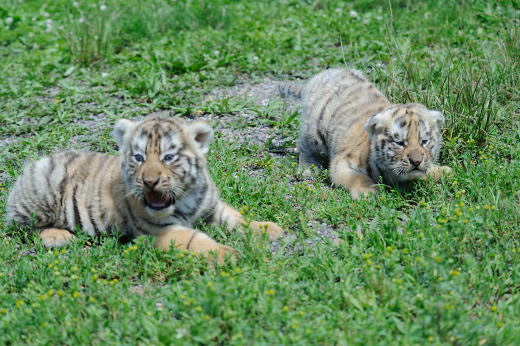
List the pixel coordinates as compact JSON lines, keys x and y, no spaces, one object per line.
{"x":138,"y":158}
{"x":424,"y":141}
{"x":168,"y":157}
{"x":400,"y":143}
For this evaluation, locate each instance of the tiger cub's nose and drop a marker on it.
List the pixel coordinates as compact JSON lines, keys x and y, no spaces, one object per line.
{"x":415,"y":161}
{"x":151,"y":182}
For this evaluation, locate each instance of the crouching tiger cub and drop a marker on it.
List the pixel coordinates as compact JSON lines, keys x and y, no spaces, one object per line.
{"x":159,"y":185}
{"x":350,"y":127}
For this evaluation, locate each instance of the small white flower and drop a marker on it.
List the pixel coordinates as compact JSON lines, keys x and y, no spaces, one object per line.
{"x":48,"y":22}
{"x":46,"y":14}
{"x":103,"y":7}
{"x":75,"y":4}
{"x":353,"y":14}
{"x":81,"y":20}
{"x":379,"y":18}
{"x":9,"y":20}
{"x":104,"y":74}
{"x":30,"y":34}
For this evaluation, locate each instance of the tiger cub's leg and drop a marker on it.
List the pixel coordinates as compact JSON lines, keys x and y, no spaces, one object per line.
{"x":436,"y":172}
{"x":192,"y":240}
{"x":224,"y":214}
{"x":307,"y":159}
{"x":344,"y":174}
{"x":55,"y":237}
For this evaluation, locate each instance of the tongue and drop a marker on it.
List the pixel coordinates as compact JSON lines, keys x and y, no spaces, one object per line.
{"x":156,"y":199}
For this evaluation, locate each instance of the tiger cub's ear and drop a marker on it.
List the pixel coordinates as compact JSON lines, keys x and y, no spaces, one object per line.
{"x":436,"y":117}
{"x":202,"y":134}
{"x":121,"y":128}
{"x":378,"y":122}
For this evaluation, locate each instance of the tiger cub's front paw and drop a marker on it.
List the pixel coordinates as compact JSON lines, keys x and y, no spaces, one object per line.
{"x":436,"y":172}
{"x":55,"y":237}
{"x":194,"y":241}
{"x":273,"y":230}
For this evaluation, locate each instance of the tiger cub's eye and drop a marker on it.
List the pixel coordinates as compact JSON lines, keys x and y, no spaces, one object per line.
{"x":138,"y":158}
{"x":168,"y":157}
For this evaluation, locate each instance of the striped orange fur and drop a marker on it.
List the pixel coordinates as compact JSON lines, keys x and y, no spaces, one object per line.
{"x":159,"y":185}
{"x":349,"y":126}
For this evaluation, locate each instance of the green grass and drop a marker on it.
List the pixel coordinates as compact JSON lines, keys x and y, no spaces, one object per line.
{"x":439,"y":262}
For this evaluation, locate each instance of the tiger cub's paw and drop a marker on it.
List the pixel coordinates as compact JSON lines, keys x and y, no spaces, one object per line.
{"x":197,"y":242}
{"x":55,"y":237}
{"x":273,"y":230}
{"x":436,"y":172}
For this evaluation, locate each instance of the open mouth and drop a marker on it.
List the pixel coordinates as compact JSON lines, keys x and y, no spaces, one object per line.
{"x":157,"y":201}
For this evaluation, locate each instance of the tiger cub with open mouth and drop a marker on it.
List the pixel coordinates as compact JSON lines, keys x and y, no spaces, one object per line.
{"x":159,"y":185}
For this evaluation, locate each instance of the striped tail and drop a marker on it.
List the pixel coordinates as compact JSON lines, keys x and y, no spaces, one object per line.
{"x":293,"y":89}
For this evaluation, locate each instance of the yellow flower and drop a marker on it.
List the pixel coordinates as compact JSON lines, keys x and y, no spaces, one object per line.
{"x":19,"y":303}
{"x":466,"y":221}
{"x":437,"y":258}
{"x":494,"y":308}
{"x":448,"y":307}
{"x":75,"y":294}
{"x":132,"y":248}
{"x":389,"y":249}
{"x":442,"y":221}
{"x":270,"y":292}
{"x":3,"y":310}
{"x":60,"y":293}
{"x":92,"y":299}
{"x":454,"y":272}
{"x":198,"y":308}
{"x":457,"y":212}
{"x":285,"y":309}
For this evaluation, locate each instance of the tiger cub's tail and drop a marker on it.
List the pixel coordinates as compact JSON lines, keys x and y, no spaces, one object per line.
{"x":293,"y":89}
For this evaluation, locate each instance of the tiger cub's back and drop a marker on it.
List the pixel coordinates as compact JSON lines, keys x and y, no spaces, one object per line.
{"x":66,"y":190}
{"x":336,"y":102}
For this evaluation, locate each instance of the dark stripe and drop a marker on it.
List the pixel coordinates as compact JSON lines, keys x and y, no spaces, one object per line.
{"x":77,"y":216}
{"x":72,"y":157}
{"x":356,"y":77}
{"x":221,"y":213}
{"x":52,"y":166}
{"x":191,"y":239}
{"x":323,"y":139}
{"x":322,"y":111}
{"x":92,"y":221}
{"x":134,"y":220}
